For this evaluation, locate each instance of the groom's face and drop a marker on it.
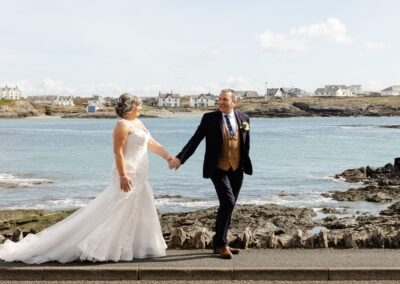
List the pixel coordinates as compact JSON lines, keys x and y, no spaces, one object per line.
{"x":225,"y":102}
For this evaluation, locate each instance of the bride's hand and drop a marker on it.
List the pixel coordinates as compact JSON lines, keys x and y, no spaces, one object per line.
{"x":125,"y":183}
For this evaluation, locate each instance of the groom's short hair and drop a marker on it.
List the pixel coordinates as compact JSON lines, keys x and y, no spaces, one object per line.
{"x":232,"y":93}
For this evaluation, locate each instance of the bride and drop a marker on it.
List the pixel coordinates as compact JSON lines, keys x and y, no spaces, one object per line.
{"x":122,"y":222}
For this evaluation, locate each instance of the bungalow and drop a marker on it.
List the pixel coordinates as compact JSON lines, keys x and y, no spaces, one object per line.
{"x":391,"y":91}
{"x":10,"y":93}
{"x":246,"y":94}
{"x":97,"y":101}
{"x":334,"y":91}
{"x":274,"y":93}
{"x":45,"y":100}
{"x":169,"y":100}
{"x":202,"y":100}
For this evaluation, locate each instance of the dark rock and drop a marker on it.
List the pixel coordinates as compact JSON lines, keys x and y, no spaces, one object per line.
{"x":393,"y":209}
{"x":17,"y":235}
{"x":397,"y":164}
{"x":330,"y":218}
{"x":379,"y":197}
{"x":353,"y":175}
{"x":382,"y":184}
{"x":327,"y":210}
{"x":321,"y":240}
{"x":178,"y":237}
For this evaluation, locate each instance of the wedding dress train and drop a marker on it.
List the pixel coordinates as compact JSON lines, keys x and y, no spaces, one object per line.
{"x":114,"y":226}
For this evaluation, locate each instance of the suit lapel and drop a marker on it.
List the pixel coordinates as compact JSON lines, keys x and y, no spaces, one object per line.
{"x":240,"y":122}
{"x":221,"y":125}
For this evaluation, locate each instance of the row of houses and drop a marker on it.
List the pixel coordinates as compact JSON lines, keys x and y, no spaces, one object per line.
{"x":172,"y":99}
{"x":52,"y":100}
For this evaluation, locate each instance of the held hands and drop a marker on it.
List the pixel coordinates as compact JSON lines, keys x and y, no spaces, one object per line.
{"x":125,"y":183}
{"x":175,"y":163}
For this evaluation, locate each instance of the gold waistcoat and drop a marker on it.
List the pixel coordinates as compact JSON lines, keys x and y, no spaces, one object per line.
{"x":230,"y":154}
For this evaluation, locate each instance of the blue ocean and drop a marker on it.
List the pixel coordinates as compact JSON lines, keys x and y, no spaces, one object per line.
{"x":63,"y":163}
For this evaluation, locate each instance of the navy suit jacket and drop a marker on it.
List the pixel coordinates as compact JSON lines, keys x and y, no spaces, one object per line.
{"x":211,"y":127}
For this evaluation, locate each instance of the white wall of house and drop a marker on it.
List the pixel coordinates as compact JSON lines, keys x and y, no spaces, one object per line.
{"x":64,"y":102}
{"x":169,"y":102}
{"x":10,"y":93}
{"x":201,"y":102}
{"x":344,"y":93}
{"x":390,"y":93}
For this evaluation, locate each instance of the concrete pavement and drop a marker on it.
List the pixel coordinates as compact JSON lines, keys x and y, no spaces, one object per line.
{"x":251,"y":264}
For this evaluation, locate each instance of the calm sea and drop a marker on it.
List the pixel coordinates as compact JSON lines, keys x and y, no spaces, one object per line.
{"x":296,"y":156}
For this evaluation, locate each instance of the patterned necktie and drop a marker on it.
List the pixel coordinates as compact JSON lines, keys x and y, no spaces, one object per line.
{"x":228,"y":123}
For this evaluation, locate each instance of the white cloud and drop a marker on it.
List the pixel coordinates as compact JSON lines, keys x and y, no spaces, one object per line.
{"x":375,"y":45}
{"x":213,"y":52}
{"x":46,"y":86}
{"x":280,"y":42}
{"x":299,"y":39}
{"x":369,"y":47}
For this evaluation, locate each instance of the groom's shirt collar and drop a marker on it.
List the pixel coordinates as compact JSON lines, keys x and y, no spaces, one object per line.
{"x":232,"y":120}
{"x":231,"y":114}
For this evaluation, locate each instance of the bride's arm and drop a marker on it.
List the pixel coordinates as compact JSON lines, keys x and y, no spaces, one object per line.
{"x":158,"y":149}
{"x":120,"y":134}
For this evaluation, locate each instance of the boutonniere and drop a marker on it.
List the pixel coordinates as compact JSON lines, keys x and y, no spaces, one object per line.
{"x":245,"y":126}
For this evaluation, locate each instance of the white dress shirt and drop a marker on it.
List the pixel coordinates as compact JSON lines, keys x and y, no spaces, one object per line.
{"x":232,"y":120}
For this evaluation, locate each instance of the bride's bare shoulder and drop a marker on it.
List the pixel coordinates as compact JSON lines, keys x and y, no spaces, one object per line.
{"x":122,"y":125}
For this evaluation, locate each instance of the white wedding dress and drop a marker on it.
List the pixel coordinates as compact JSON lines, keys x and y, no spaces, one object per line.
{"x":112,"y":227}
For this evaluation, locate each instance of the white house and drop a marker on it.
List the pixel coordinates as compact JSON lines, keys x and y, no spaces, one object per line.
{"x":10,"y":93}
{"x":246,"y":94}
{"x":391,"y":91}
{"x":169,"y":100}
{"x":64,"y":101}
{"x":97,"y":101}
{"x":203,"y":100}
{"x":334,"y":91}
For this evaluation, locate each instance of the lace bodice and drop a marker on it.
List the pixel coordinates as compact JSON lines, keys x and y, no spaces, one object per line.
{"x":135,"y":151}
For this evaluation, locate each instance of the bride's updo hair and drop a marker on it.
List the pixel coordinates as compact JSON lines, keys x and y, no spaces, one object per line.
{"x":126,"y":103}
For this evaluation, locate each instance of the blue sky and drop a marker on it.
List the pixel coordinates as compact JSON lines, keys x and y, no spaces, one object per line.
{"x":110,"y":47}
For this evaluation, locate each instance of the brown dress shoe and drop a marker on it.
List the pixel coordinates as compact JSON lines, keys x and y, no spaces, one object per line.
{"x":234,"y":250}
{"x":224,"y":252}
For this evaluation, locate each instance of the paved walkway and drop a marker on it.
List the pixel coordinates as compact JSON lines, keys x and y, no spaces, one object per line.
{"x":251,"y":264}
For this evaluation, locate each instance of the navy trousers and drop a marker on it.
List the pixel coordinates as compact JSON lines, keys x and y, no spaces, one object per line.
{"x":227,"y":185}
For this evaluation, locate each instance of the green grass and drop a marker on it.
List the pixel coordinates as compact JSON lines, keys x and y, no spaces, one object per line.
{"x":5,"y":102}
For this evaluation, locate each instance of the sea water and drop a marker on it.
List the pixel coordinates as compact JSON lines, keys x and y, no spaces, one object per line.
{"x":64,"y":163}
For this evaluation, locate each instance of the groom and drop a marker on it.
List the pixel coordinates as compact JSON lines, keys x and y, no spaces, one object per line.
{"x":226,"y":158}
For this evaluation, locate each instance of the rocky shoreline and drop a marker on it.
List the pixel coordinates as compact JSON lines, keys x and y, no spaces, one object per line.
{"x":380,"y":184}
{"x":268,"y":225}
{"x":253,"y":226}
{"x":326,"y":107}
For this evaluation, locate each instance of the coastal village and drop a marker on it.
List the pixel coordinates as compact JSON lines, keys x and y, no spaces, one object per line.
{"x":329,"y":100}
{"x":172,"y":99}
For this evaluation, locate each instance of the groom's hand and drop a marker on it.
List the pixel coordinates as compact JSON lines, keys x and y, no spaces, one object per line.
{"x":176,"y":163}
